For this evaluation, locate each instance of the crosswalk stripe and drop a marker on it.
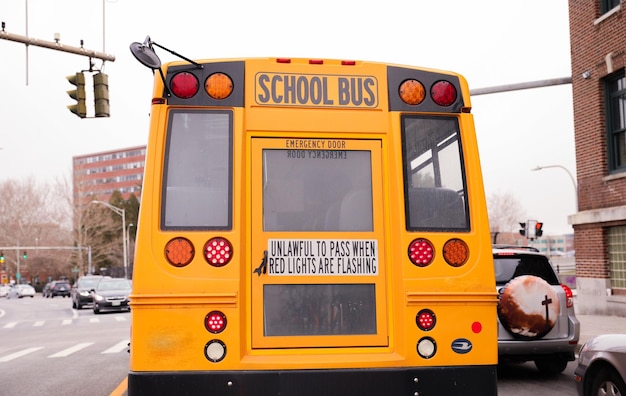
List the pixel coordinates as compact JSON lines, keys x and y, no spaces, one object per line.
{"x":39,"y":323}
{"x":19,"y":354}
{"x":120,"y":319}
{"x":10,"y":325}
{"x":66,"y":322}
{"x":71,"y":350}
{"x":122,"y":345}
{"x":94,"y":320}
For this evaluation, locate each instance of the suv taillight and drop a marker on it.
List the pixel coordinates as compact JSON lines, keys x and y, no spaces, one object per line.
{"x":569,"y":296}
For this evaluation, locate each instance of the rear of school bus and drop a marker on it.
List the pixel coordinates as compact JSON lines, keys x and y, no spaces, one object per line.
{"x":312,"y":227}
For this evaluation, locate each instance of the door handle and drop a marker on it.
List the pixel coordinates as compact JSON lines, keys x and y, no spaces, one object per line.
{"x":263,"y":266}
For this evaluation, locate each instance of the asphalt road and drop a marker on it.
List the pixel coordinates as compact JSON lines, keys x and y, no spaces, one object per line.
{"x":48,"y":348}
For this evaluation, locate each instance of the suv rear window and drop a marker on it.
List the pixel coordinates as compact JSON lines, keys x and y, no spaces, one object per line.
{"x":511,"y":266}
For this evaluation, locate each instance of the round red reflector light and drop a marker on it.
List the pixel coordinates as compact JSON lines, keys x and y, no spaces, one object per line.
{"x":179,"y":252}
{"x":218,"y":251}
{"x":455,"y":252}
{"x":477,"y":327}
{"x":215,"y":322}
{"x":184,"y":85}
{"x":412,"y":92}
{"x":425,"y":319}
{"x":443,"y":93}
{"x":218,"y":86}
{"x":421,"y":252}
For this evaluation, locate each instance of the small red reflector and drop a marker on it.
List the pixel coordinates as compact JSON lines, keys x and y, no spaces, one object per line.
{"x":477,"y":327}
{"x":283,"y":60}
{"x":425,"y":319}
{"x":316,"y":62}
{"x":348,"y":63}
{"x":443,"y":93}
{"x":215,"y":322}
{"x":184,"y":85}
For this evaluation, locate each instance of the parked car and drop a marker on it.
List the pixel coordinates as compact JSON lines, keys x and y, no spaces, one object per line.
{"x":536,"y":319}
{"x":81,"y":291}
{"x":4,"y":290}
{"x":111,"y":294}
{"x":601,"y":366}
{"x":57,"y":288}
{"x":22,"y":290}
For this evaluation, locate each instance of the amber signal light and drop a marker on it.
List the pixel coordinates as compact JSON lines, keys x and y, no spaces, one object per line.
{"x":179,"y":252}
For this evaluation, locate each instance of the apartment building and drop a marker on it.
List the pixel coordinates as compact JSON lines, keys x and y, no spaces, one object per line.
{"x":598,"y":55}
{"x":100,"y":174}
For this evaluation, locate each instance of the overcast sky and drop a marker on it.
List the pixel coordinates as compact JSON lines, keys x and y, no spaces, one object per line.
{"x":490,"y":42}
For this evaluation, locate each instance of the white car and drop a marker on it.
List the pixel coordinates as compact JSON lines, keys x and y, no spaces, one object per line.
{"x":4,"y":290}
{"x":19,"y":291}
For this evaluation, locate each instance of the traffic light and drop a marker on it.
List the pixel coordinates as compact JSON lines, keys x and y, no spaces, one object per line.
{"x":101,"y":94}
{"x":1,"y":257}
{"x":538,"y":229}
{"x":24,"y":256}
{"x":522,"y":230}
{"x":78,"y":94}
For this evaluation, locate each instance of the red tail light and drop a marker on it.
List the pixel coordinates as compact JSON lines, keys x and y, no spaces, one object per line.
{"x":215,"y":322}
{"x":425,"y":319}
{"x":569,"y":296}
{"x":421,"y":252}
{"x":443,"y":93}
{"x":218,"y":251}
{"x":184,"y":85}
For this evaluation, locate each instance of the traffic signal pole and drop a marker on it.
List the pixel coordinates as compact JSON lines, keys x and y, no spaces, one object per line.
{"x":25,"y":249}
{"x":55,"y":45}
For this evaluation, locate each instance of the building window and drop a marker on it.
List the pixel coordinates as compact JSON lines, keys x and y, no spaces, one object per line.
{"x":608,"y":5}
{"x":615,"y":88}
{"x":617,"y":257}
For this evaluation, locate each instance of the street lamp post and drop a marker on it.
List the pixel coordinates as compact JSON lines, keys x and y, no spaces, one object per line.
{"x":570,"y":176}
{"x":122,"y":213}
{"x":128,"y":240}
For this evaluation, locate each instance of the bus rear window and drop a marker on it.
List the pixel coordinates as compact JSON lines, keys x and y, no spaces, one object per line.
{"x":319,"y":309}
{"x":197,"y":172}
{"x":434,"y":180}
{"x":317,"y":190}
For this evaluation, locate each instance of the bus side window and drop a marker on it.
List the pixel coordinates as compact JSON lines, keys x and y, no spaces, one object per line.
{"x":436,"y":208}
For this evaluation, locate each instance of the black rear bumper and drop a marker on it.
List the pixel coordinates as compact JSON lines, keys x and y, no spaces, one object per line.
{"x":449,"y":381}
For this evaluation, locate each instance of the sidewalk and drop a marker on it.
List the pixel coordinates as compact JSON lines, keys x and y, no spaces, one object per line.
{"x":593,"y":325}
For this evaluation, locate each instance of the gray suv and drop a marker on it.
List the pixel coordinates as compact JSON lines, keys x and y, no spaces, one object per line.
{"x":536,"y":319}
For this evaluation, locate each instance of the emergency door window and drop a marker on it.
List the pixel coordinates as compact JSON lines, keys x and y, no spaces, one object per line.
{"x":317,"y":190}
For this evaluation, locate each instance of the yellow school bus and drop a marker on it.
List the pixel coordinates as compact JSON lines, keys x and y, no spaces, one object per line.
{"x":311,"y":227}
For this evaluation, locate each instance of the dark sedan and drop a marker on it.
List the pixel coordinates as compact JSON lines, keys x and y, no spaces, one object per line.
{"x":111,"y":294}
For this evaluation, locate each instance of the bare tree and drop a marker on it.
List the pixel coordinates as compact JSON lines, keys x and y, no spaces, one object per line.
{"x":32,"y":216}
{"x":505,"y":212}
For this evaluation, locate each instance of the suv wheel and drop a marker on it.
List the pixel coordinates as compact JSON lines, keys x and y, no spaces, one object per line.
{"x":551,"y":365}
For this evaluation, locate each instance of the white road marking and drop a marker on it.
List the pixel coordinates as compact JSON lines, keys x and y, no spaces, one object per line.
{"x":69,"y":351}
{"x":19,"y":354}
{"x":119,"y":347}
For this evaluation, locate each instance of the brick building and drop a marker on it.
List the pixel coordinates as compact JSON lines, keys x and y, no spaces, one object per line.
{"x":598,"y":53}
{"x":100,"y":174}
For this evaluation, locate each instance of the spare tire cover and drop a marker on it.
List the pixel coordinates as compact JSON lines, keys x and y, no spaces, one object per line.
{"x":528,"y":307}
